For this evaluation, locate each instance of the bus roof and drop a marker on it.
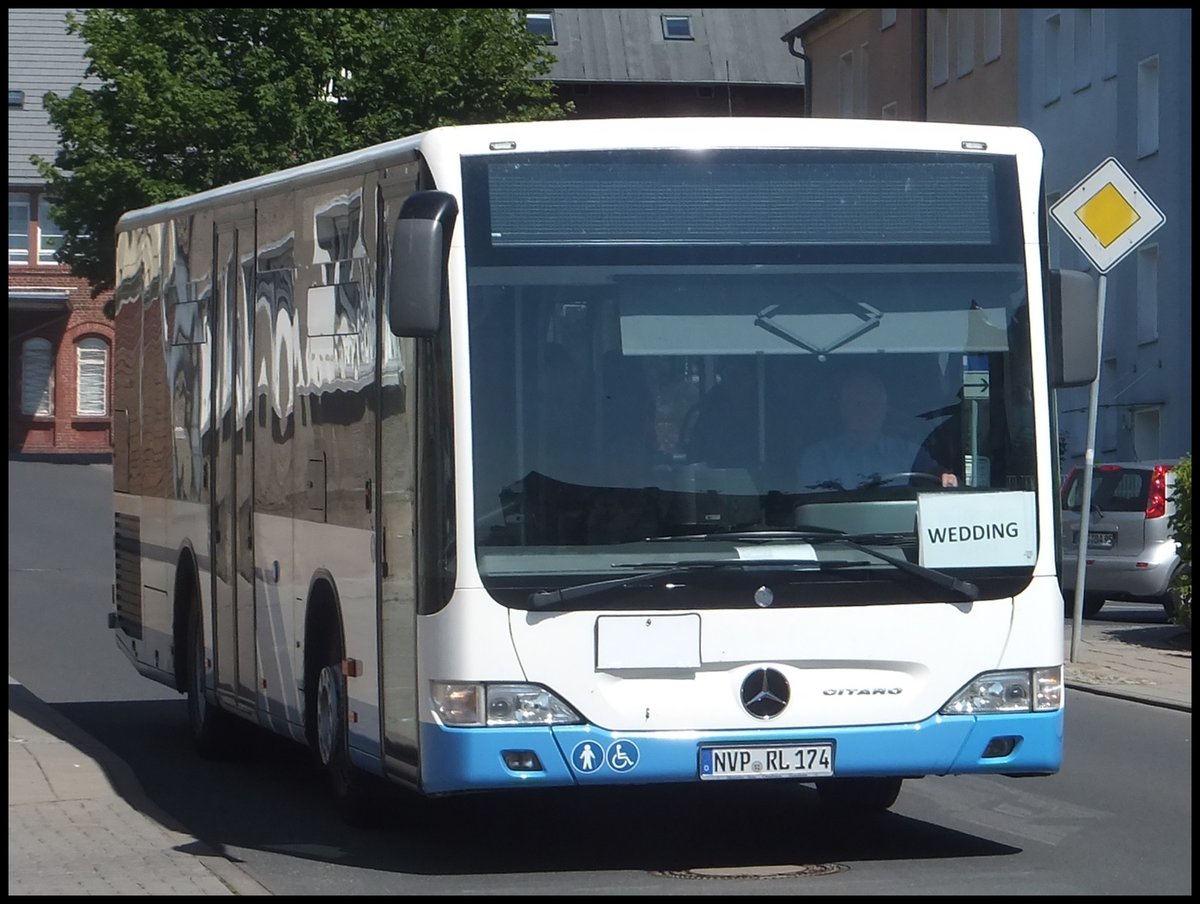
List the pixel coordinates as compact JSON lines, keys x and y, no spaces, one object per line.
{"x":579,"y":134}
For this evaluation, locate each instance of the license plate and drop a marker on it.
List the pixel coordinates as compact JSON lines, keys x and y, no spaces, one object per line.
{"x":1100,"y":539}
{"x":759,"y":761}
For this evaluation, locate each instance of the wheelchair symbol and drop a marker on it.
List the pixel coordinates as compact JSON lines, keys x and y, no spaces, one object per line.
{"x":622,"y":756}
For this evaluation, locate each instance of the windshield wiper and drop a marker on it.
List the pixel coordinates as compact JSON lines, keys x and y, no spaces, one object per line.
{"x":813,"y":535}
{"x":657,"y":572}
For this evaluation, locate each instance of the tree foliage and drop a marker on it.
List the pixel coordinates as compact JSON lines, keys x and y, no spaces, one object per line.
{"x":190,"y":99}
{"x":1181,"y":529}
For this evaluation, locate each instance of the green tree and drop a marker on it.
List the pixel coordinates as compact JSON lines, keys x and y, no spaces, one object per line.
{"x":191,"y":99}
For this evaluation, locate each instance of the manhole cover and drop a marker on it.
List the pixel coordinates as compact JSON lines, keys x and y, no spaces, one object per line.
{"x":788,"y":871}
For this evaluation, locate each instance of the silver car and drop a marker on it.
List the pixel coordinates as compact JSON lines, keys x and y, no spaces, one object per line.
{"x":1131,"y":553}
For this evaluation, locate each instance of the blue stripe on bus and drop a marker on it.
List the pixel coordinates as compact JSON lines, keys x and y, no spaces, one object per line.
{"x":471,"y":759}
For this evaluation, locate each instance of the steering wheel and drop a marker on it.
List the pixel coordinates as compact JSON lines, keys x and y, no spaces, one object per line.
{"x":910,"y":475}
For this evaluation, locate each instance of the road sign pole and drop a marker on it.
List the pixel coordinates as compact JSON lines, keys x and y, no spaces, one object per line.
{"x":1085,"y":511}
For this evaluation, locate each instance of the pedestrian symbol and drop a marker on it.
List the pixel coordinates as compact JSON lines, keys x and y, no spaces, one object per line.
{"x":622,"y":756}
{"x":588,"y":756}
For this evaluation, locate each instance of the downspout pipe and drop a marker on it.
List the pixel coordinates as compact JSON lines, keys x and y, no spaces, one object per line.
{"x":790,"y":39}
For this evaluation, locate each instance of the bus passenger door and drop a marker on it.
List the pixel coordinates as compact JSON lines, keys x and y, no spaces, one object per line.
{"x":232,"y":510}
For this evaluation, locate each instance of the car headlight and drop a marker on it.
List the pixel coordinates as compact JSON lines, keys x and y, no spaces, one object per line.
{"x":464,"y":705}
{"x":1023,"y":691}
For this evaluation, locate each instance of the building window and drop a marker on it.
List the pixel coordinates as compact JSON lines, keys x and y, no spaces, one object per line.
{"x":18,"y":227}
{"x":49,"y":235}
{"x":1050,"y":44}
{"x":1147,"y":294}
{"x":16,"y":99}
{"x":846,"y":84}
{"x":1083,"y":48}
{"x":939,"y":33}
{"x":677,"y":28}
{"x":991,"y":35}
{"x":541,"y":24}
{"x":92,"y":391}
{"x":37,"y":377}
{"x":887,"y":18}
{"x":966,"y":42}
{"x":1108,"y":24}
{"x":1147,"y":107}
{"x":862,"y":80}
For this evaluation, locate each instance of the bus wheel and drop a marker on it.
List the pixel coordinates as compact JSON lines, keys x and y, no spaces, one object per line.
{"x":862,"y":797}
{"x":352,"y":788}
{"x":213,"y":730}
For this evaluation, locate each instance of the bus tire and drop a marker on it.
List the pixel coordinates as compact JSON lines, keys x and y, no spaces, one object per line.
{"x":214,"y":731}
{"x":354,"y":794}
{"x":858,"y":797}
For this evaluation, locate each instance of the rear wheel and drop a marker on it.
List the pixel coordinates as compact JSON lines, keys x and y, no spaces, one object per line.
{"x":858,"y":797}
{"x":214,"y":732}
{"x":1171,"y":602}
{"x":1092,"y":604}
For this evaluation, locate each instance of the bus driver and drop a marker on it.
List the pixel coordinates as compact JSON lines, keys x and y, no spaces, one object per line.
{"x":860,"y":453}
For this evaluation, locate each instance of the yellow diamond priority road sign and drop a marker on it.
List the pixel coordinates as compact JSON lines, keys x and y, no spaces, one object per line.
{"x":1107,"y":215}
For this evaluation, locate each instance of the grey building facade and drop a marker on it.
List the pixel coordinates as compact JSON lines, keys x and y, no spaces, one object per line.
{"x":1117,"y":83}
{"x":1091,"y":83}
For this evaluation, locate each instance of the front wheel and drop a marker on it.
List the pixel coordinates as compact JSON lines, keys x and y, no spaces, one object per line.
{"x":354,"y":792}
{"x":858,"y":797}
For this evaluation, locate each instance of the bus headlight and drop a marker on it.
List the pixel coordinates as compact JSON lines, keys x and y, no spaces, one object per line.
{"x":1023,"y":691}
{"x":499,"y":704}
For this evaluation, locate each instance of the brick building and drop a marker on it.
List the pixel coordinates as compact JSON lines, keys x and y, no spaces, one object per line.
{"x":59,"y":341}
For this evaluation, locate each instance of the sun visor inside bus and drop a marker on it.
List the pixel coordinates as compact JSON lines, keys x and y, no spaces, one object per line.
{"x":420,"y":252}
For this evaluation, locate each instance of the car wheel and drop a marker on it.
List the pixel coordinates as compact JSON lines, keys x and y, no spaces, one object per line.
{"x":858,"y":797}
{"x":1092,"y":604}
{"x":1171,"y":602}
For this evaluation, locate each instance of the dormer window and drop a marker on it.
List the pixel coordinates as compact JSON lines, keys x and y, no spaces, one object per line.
{"x":677,"y":28}
{"x":541,"y":24}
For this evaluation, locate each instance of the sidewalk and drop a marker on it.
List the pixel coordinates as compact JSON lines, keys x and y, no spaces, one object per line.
{"x":1145,"y":663}
{"x":79,"y":824}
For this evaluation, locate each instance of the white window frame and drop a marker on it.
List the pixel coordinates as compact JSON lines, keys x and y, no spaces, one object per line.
{"x":19,"y":255}
{"x":37,"y":399}
{"x":686,"y":20}
{"x":89,"y":353}
{"x":542,"y":15}
{"x":48,"y":240}
{"x":846,"y":84}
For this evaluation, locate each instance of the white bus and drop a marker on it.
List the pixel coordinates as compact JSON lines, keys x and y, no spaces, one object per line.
{"x":474,"y":460}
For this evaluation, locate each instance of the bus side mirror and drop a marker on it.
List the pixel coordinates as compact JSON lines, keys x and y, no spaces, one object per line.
{"x":420,"y":253}
{"x":1073,"y":329}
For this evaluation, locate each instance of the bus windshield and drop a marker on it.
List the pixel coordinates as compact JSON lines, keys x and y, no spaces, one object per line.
{"x":740,"y":346}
